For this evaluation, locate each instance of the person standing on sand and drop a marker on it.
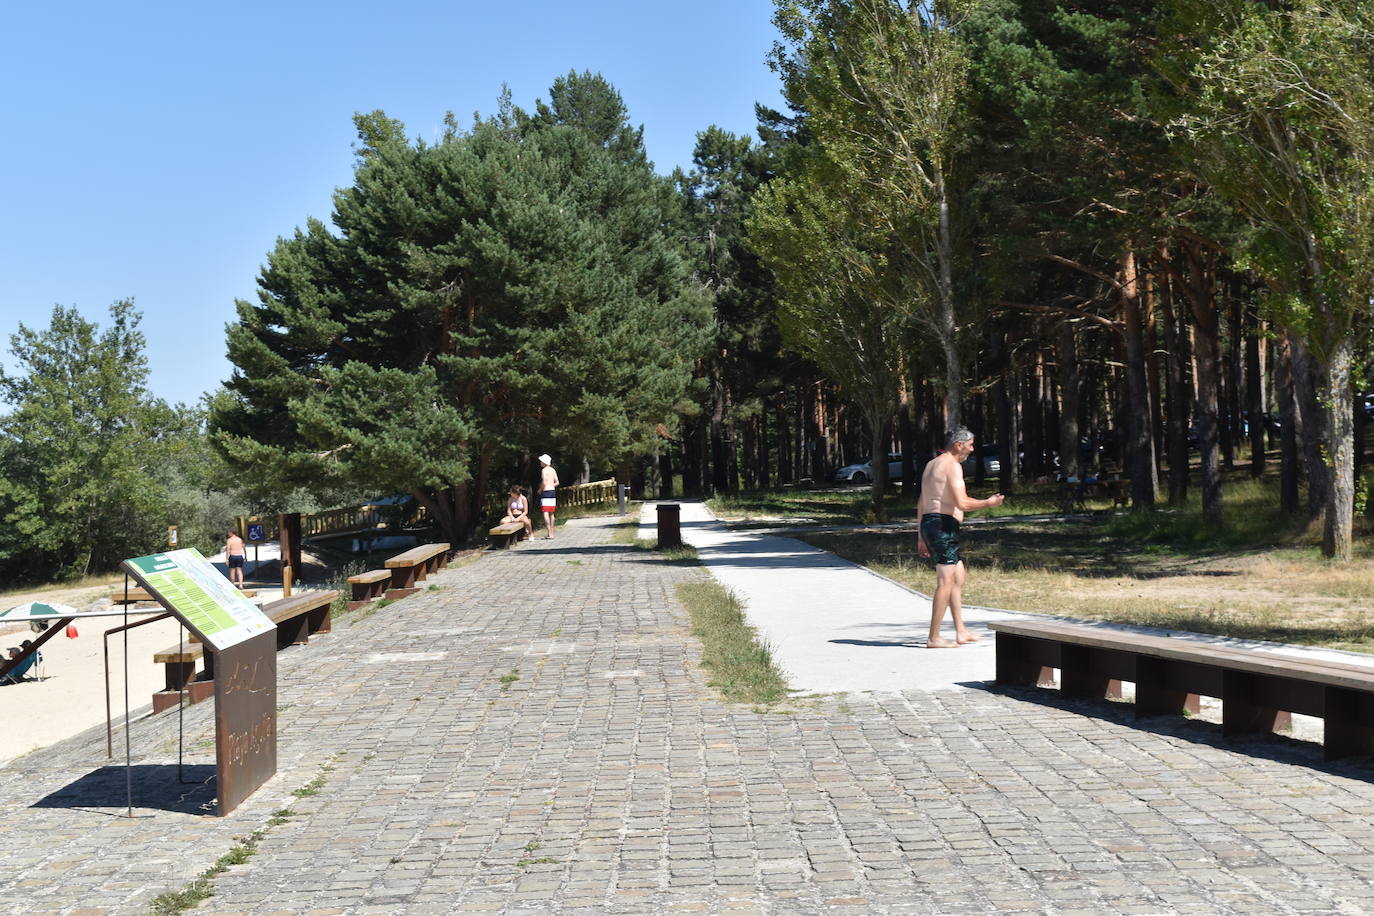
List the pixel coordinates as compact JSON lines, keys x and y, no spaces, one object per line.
{"x":233,"y":550}
{"x":941,"y":508}
{"x":548,"y":481}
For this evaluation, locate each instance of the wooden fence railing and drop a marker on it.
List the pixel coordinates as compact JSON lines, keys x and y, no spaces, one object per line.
{"x":349,"y":520}
{"x":587,"y":494}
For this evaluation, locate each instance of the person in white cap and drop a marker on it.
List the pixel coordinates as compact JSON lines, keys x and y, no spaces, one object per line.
{"x":548,"y":480}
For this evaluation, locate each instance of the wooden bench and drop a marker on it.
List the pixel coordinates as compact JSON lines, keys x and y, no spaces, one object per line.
{"x":368,"y":586}
{"x":140,"y":595}
{"x":509,"y":534}
{"x":1258,"y":690}
{"x":297,"y":618}
{"x":413,"y":566}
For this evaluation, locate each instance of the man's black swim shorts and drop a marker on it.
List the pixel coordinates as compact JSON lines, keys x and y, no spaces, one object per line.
{"x":941,"y":533}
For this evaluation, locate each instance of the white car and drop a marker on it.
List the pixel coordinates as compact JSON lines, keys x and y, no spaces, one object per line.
{"x":863,"y":473}
{"x":991,"y":457}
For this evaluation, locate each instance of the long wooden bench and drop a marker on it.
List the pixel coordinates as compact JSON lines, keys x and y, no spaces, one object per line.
{"x":140,"y":595}
{"x":297,"y":618}
{"x":415,"y":565}
{"x":368,"y":586}
{"x":1259,"y":691}
{"x":509,"y":534}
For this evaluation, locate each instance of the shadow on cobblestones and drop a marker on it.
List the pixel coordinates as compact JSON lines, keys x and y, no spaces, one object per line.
{"x":154,"y":786}
{"x":1276,"y":747}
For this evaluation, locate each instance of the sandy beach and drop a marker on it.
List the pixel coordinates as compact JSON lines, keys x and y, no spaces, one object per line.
{"x":70,"y":697}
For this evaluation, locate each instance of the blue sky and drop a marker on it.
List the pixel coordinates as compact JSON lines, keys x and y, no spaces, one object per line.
{"x":157,"y":150}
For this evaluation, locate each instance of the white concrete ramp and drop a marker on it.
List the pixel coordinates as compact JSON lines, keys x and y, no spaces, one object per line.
{"x":832,"y":625}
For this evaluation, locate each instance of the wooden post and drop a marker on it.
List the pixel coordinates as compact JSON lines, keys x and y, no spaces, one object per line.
{"x":285,"y":580}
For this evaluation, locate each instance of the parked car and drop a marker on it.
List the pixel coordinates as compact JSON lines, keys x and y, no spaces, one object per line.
{"x":863,"y":472}
{"x":990,"y":455}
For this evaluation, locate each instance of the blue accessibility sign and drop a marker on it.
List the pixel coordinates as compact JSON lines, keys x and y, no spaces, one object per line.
{"x":255,"y":532}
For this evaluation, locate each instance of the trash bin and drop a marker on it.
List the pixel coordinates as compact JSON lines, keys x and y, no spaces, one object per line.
{"x":669,"y":525}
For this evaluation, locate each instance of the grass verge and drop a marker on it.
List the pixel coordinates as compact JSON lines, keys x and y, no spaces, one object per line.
{"x":740,"y":666}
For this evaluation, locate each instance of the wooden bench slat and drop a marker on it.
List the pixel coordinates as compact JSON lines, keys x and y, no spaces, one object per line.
{"x":297,"y":604}
{"x":142,"y":595}
{"x":375,"y":575}
{"x":179,"y":654}
{"x":507,"y":528}
{"x":416,"y":555}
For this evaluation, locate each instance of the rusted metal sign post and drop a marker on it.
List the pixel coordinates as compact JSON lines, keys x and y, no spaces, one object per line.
{"x":241,"y":643}
{"x":245,"y":718}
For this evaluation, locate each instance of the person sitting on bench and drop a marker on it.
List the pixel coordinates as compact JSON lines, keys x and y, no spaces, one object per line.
{"x":518,"y":510}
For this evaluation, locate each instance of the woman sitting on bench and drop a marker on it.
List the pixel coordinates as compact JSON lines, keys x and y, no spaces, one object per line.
{"x":518,"y":510}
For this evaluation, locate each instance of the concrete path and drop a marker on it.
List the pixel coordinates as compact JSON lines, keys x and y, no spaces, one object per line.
{"x":536,"y":735}
{"x":832,"y":625}
{"x":835,"y":626}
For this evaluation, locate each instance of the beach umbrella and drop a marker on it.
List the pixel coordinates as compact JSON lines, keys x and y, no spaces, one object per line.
{"x":38,"y":610}
{"x":41,"y":611}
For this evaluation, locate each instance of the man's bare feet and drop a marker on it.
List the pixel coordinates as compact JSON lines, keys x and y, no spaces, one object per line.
{"x":966,"y":636}
{"x":941,"y":644}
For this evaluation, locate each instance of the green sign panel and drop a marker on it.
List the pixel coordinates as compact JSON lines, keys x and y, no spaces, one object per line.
{"x":190,"y":586}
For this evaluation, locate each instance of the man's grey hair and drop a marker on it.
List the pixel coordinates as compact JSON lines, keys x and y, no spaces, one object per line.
{"x":957,"y":434}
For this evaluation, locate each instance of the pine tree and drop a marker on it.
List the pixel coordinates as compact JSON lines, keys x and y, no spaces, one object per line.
{"x":506,"y":291}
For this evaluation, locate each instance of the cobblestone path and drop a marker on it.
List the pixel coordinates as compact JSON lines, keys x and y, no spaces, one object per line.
{"x":536,"y":735}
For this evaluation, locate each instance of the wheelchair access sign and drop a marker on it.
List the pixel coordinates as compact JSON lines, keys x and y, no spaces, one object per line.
{"x":255,"y":532}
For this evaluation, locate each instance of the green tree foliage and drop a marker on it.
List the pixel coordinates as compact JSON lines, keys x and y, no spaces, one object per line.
{"x":83,"y":448}
{"x":884,"y":87}
{"x":505,"y":291}
{"x":1278,"y":114}
{"x":745,"y":366}
{"x":840,"y":302}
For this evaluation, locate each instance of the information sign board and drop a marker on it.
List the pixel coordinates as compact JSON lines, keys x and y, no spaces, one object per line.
{"x":255,"y":532}
{"x":190,"y":586}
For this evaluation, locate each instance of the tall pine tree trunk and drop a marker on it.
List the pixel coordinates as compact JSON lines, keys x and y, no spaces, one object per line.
{"x":1070,"y":462}
{"x":1202,"y":295}
{"x":692,"y":456}
{"x":906,"y":434}
{"x":1033,"y":420}
{"x":786,"y":473}
{"x":1306,"y":390}
{"x":1254,"y":391}
{"x":1176,"y":388}
{"x":948,"y":321}
{"x":1290,"y":433}
{"x":665,"y":471}
{"x":1140,"y":441}
{"x":1339,"y":435}
{"x":1150,"y":308}
{"x":1005,"y":476}
{"x":876,"y":417}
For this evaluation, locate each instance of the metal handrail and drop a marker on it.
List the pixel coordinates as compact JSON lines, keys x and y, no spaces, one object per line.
{"x":109,"y":714}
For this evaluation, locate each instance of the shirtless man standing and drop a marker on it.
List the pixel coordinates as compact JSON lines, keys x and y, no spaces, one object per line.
{"x":233,"y":550}
{"x":548,"y":480}
{"x":942,"y":507}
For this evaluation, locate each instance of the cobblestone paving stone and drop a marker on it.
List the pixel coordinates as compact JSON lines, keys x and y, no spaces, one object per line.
{"x":602,"y":775}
